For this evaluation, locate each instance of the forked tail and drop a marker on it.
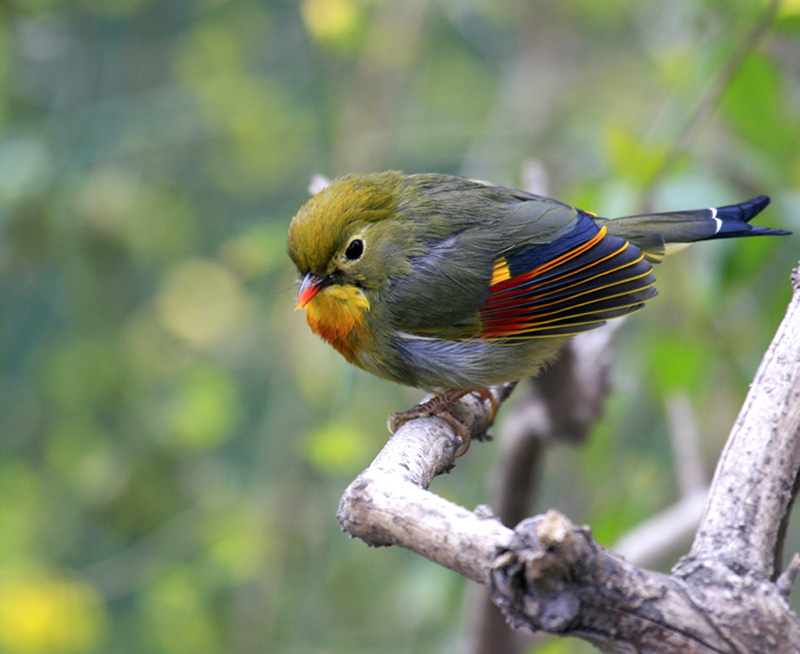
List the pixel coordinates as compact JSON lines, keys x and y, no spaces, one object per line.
{"x":655,"y":232}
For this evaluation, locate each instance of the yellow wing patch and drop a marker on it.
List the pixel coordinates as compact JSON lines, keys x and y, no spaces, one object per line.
{"x":501,"y":271}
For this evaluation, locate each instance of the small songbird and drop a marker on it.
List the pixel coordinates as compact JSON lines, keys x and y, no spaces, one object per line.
{"x":453,"y":285}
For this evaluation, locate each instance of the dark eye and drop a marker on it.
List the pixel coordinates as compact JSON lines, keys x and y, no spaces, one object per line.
{"x":354,"y":250}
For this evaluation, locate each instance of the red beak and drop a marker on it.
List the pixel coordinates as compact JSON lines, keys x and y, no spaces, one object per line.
{"x":308,"y":289}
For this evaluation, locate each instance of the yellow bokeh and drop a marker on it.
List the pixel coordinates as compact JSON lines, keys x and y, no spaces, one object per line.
{"x":338,"y":448}
{"x":330,"y":20}
{"x":49,"y":615}
{"x":200,"y":301}
{"x":240,"y":542}
{"x":789,"y":8}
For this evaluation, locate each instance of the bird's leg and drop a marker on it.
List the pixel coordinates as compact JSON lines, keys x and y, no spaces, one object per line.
{"x":486,"y":394}
{"x":439,"y":406}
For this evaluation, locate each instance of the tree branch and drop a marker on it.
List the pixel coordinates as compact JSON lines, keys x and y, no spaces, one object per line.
{"x":388,"y":503}
{"x":554,"y":577}
{"x":559,"y":405}
{"x":754,"y":483}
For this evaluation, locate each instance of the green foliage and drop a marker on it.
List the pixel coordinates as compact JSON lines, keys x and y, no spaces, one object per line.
{"x":174,"y":441}
{"x":756,"y":107}
{"x":631,"y":158}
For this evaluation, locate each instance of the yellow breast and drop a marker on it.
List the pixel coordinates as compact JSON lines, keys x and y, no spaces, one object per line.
{"x":336,"y":314}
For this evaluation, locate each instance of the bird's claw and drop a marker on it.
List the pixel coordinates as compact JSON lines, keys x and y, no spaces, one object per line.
{"x":439,"y":406}
{"x":397,"y":420}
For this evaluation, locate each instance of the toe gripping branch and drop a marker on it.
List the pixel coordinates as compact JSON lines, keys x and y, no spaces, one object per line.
{"x":465,"y":411}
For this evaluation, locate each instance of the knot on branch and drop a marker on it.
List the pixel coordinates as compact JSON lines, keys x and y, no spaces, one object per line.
{"x":532,"y":580}
{"x":552,"y":576}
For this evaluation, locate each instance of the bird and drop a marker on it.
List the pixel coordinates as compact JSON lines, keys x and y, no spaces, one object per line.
{"x":453,"y":285}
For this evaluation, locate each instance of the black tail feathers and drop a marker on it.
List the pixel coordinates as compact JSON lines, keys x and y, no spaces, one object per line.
{"x":744,"y":211}
{"x":654,"y":232}
{"x":733,"y":218}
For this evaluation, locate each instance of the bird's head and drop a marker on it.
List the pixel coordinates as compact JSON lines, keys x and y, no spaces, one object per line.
{"x":346,"y":242}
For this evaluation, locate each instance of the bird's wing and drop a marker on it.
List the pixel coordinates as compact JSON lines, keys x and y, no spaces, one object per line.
{"x":571,"y":284}
{"x":451,"y":272}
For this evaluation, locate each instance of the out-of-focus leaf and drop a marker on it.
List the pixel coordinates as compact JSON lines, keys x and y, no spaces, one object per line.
{"x":754,"y":104}
{"x":201,"y":301}
{"x":632,"y":157}
{"x":81,"y":374}
{"x":264,"y":132}
{"x":25,"y":167}
{"x":677,"y":362}
{"x":788,"y":8}
{"x":49,"y":614}
{"x":22,"y":521}
{"x":155,"y":224}
{"x":339,"y":24}
{"x":239,"y":543}
{"x":203,"y":410}
{"x":338,"y":448}
{"x":86,"y":459}
{"x":180,"y":614}
{"x":257,"y":251}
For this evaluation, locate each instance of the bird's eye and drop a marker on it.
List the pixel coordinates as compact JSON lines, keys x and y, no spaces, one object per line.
{"x":354,"y":250}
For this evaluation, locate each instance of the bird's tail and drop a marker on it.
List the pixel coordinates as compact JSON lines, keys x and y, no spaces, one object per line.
{"x":659,"y":234}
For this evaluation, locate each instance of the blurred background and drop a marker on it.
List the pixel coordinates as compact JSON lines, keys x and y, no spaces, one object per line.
{"x":173,"y":439}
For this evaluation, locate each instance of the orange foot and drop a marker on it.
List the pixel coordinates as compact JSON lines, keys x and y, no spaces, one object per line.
{"x":439,"y":406}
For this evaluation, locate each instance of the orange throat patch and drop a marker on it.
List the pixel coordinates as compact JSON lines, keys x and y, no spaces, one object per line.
{"x":336,"y":314}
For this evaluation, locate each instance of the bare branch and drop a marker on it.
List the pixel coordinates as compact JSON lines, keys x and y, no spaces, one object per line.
{"x":554,"y":577}
{"x":787,"y":578}
{"x":754,"y":483}
{"x":387,"y":504}
{"x":560,"y":404}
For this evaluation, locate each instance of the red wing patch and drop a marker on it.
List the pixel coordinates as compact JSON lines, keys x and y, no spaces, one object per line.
{"x":600,"y":278}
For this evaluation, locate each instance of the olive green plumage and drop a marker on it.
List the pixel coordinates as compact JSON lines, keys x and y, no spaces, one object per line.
{"x":441,"y":282}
